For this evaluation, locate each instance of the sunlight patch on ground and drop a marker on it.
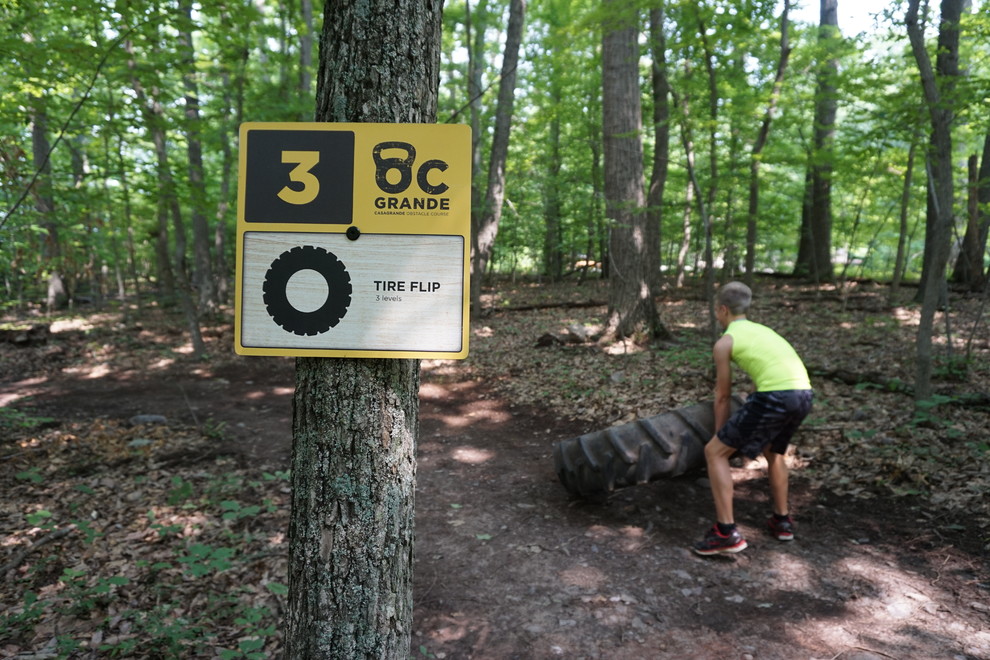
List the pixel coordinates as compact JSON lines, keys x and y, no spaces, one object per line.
{"x":186,"y":525}
{"x":624,"y":347}
{"x":441,"y":367}
{"x":583,"y":576}
{"x":264,"y":394}
{"x":22,"y":391}
{"x":472,"y":455}
{"x":455,"y":630}
{"x":484,"y":331}
{"x":908,"y":315}
{"x":67,"y":325}
{"x":634,"y":538}
{"x":101,"y":370}
{"x":905,"y":600}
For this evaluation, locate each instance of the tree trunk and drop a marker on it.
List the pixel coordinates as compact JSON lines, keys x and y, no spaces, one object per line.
{"x":753,"y":209}
{"x":351,"y":528}
{"x":474,"y":37}
{"x":631,"y":307}
{"x":491,"y":214}
{"x":707,"y":203}
{"x":661,"y":146}
{"x":968,"y":270}
{"x":58,"y":294}
{"x":355,"y":421}
{"x":937,"y":88}
{"x":902,"y":234}
{"x":683,"y":101}
{"x":553,"y":260}
{"x":202,"y":276}
{"x":306,"y":52}
{"x":815,"y":247}
{"x":165,"y":278}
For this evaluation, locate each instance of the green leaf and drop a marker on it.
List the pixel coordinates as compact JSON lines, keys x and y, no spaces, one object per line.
{"x":251,"y":645}
{"x":30,"y":475}
{"x":277,"y":588}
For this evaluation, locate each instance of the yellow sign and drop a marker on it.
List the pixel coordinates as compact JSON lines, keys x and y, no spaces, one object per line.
{"x":353,"y":240}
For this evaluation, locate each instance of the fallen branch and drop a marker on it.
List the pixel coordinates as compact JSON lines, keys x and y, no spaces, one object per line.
{"x":21,"y":555}
{"x":550,"y":305}
{"x":852,"y":378}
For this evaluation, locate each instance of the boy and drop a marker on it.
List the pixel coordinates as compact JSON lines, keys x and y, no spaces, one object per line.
{"x":765,"y":423}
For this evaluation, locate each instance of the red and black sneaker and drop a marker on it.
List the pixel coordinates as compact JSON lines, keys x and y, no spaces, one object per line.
{"x":716,"y":543}
{"x":781,"y":529}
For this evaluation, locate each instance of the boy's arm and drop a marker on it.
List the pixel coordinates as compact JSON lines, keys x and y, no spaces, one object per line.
{"x":722,"y":354}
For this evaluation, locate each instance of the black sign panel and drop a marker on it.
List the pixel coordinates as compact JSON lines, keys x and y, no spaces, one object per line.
{"x":299,"y":177}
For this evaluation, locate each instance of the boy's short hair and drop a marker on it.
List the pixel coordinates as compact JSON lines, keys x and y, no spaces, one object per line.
{"x":736,"y":296}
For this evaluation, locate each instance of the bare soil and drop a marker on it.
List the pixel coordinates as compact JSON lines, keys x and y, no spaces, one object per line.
{"x":508,"y":565}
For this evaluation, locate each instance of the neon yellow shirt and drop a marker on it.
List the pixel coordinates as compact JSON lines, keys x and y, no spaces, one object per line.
{"x":768,"y":358}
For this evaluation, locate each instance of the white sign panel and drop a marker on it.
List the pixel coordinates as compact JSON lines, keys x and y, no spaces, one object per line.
{"x":378,"y":293}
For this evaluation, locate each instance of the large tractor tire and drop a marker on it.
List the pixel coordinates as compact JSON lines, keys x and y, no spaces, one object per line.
{"x":659,"y":447}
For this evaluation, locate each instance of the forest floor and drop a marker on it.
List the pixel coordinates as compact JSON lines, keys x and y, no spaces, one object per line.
{"x":165,"y":537}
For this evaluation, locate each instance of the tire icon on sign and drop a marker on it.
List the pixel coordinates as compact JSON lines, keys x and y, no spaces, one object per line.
{"x":290,"y":262}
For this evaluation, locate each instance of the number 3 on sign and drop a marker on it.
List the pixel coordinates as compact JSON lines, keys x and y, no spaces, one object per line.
{"x":305,"y":161}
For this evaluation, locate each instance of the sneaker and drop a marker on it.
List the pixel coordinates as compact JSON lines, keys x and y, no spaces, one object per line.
{"x":715,"y":543}
{"x":782,"y":530}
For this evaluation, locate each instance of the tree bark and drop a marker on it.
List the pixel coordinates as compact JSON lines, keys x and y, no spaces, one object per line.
{"x":351,"y":527}
{"x":306,"y":51}
{"x":491,"y":214}
{"x":815,"y":243}
{"x":937,"y":88}
{"x":355,"y":421}
{"x":553,"y":253}
{"x":631,"y":307}
{"x":902,"y":234}
{"x":968,"y":270}
{"x":202,"y":276}
{"x":753,"y":209}
{"x":58,"y":294}
{"x":661,"y":145}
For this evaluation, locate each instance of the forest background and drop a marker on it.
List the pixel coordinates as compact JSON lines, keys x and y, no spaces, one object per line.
{"x":119,"y":139}
{"x":782,"y":148}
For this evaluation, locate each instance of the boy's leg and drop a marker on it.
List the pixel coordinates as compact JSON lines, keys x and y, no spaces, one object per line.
{"x":777,"y":475}
{"x":780,"y":524}
{"x":723,"y":537}
{"x":717,"y":455}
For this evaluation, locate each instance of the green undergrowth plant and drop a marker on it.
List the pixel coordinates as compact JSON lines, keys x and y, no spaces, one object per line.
{"x":13,"y":420}
{"x":193,"y":568}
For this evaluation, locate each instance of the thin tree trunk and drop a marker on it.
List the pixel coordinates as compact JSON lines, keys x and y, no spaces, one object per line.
{"x":687,"y":142}
{"x":165,"y":278}
{"x":902,"y":234}
{"x":661,"y":146}
{"x":44,"y":203}
{"x":553,"y":261}
{"x":937,"y":88}
{"x":203,"y":265}
{"x":753,"y":209}
{"x":491,"y":215}
{"x":968,"y":269}
{"x":815,"y":247}
{"x":306,"y":53}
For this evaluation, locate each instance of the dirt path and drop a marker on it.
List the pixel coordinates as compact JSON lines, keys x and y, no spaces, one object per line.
{"x":508,"y":566}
